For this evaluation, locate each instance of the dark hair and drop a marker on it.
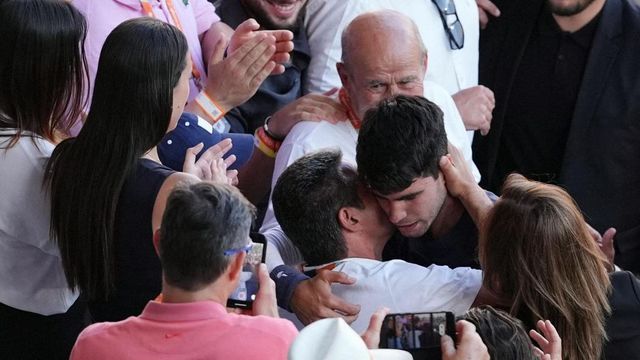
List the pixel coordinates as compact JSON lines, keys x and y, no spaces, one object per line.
{"x":536,"y":251}
{"x":200,"y":222}
{"x":140,"y":65}
{"x":42,"y":66}
{"x":504,"y":335}
{"x":306,"y":202}
{"x":401,"y":139}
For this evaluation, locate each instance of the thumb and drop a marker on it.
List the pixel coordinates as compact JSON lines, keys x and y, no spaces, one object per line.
{"x":447,"y":347}
{"x":218,"y":52}
{"x":191,"y":154}
{"x":246,"y":27}
{"x":607,"y":237}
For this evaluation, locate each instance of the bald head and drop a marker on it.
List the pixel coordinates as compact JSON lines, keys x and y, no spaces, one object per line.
{"x":384,"y":30}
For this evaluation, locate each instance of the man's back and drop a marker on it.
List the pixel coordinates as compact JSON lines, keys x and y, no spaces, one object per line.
{"x":405,"y":287}
{"x":197,"y":330}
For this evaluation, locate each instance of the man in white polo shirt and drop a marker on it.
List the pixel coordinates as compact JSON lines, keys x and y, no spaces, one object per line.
{"x":338,"y":225}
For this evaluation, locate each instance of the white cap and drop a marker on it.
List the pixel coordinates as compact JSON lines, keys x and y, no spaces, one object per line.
{"x":334,"y":339}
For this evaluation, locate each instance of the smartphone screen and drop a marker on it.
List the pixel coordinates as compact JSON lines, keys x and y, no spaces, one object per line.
{"x":248,"y":285}
{"x":418,"y":333}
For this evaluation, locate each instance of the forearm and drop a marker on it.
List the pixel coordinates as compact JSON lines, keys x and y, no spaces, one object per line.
{"x":254,"y":178}
{"x":477,"y":203}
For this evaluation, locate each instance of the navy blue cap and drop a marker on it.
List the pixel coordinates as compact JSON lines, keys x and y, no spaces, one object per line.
{"x":192,"y":130}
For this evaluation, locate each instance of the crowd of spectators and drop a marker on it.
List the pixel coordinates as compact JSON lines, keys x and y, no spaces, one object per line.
{"x":401,"y":160}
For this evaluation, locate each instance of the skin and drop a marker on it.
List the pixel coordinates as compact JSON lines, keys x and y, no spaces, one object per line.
{"x":392,"y":65}
{"x":415,"y":209}
{"x":572,"y":15}
{"x":276,"y":14}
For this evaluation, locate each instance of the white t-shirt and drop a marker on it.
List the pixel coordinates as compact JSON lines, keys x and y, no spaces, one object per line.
{"x":454,"y":70}
{"x":405,"y":288}
{"x":307,"y":137}
{"x":31,"y":274}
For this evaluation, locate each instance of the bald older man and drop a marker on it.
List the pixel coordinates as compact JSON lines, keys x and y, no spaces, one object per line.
{"x":383,"y":56}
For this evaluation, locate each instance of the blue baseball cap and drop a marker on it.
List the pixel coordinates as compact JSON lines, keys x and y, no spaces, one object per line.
{"x":192,"y":130}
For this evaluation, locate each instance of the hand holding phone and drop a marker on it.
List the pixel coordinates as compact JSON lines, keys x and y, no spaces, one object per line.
{"x":248,"y":286}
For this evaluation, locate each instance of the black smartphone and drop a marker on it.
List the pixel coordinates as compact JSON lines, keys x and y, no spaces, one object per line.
{"x":245,"y":293}
{"x":418,"y":333}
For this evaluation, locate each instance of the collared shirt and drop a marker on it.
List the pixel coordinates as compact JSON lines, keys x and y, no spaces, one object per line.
{"x":196,"y":17}
{"x":31,"y":274}
{"x":196,"y":330}
{"x":543,"y":98}
{"x":277,"y":90}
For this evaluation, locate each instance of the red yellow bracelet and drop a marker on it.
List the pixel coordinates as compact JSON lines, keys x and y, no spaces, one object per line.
{"x":266,"y":144}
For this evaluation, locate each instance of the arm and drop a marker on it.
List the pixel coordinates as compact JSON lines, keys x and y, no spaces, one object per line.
{"x":461,"y":185}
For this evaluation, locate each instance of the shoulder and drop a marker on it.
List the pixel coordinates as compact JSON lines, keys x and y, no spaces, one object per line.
{"x":266,"y":327}
{"x":94,"y":341}
{"x":625,"y":284}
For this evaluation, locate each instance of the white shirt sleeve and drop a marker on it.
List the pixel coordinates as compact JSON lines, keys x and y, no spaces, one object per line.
{"x":456,"y":132}
{"x":435,"y":288}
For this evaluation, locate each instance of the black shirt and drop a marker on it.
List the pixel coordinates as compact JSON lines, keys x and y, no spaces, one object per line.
{"x":277,"y":90}
{"x":542,"y":101}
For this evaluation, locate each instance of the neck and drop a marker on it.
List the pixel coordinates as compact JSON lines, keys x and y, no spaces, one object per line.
{"x":576,"y":22}
{"x":447,"y":218}
{"x":213,"y":292}
{"x":364,"y":245}
{"x":153,"y":155}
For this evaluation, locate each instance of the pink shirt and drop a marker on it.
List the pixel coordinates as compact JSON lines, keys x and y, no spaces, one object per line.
{"x":198,"y":330}
{"x":196,"y":17}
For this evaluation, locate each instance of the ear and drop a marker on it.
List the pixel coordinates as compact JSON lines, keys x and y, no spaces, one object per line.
{"x":349,"y":219}
{"x":344,"y":76}
{"x":235,"y":267}
{"x":156,"y":241}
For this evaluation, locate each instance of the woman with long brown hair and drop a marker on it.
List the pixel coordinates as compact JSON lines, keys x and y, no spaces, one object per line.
{"x":539,"y":254}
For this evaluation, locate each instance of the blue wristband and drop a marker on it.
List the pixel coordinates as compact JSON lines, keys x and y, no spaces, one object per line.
{"x":286,"y":279}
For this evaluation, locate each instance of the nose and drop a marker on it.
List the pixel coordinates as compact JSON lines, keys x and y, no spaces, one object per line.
{"x":395,"y":212}
{"x":393,"y":90}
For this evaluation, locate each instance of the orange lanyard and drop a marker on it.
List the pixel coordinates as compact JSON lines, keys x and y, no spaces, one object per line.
{"x":346,"y":102}
{"x":147,"y":9}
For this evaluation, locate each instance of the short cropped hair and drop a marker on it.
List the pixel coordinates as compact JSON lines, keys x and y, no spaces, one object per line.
{"x":401,"y":139}
{"x":200,"y":222}
{"x":504,"y":335}
{"x":306,"y":202}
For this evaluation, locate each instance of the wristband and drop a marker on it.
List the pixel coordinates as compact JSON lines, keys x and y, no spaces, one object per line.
{"x":214,"y":111}
{"x":264,"y":143}
{"x":269,"y":133}
{"x":286,"y":279}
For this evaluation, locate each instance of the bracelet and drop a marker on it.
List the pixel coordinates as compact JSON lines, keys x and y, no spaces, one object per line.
{"x":265,"y":144}
{"x":269,"y":133}
{"x":214,"y":111}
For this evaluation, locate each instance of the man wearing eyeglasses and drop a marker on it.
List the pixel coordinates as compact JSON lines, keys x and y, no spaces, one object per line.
{"x":567,"y":83}
{"x":449,"y":30}
{"x":202,"y":244}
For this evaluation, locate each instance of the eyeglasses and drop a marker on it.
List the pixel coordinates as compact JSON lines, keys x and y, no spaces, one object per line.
{"x":447,"y":10}
{"x":246,"y":249}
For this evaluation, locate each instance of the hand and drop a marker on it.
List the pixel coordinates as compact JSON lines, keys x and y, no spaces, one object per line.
{"x":470,"y":345}
{"x":371,"y":336}
{"x":457,"y":176}
{"x":486,"y":8}
{"x":311,"y":107}
{"x":475,"y":105}
{"x":235,"y":79}
{"x":312,"y":299}
{"x":210,"y":166}
{"x":249,"y":29}
{"x":265,"y":302}
{"x":605,"y":243}
{"x":549,"y":342}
